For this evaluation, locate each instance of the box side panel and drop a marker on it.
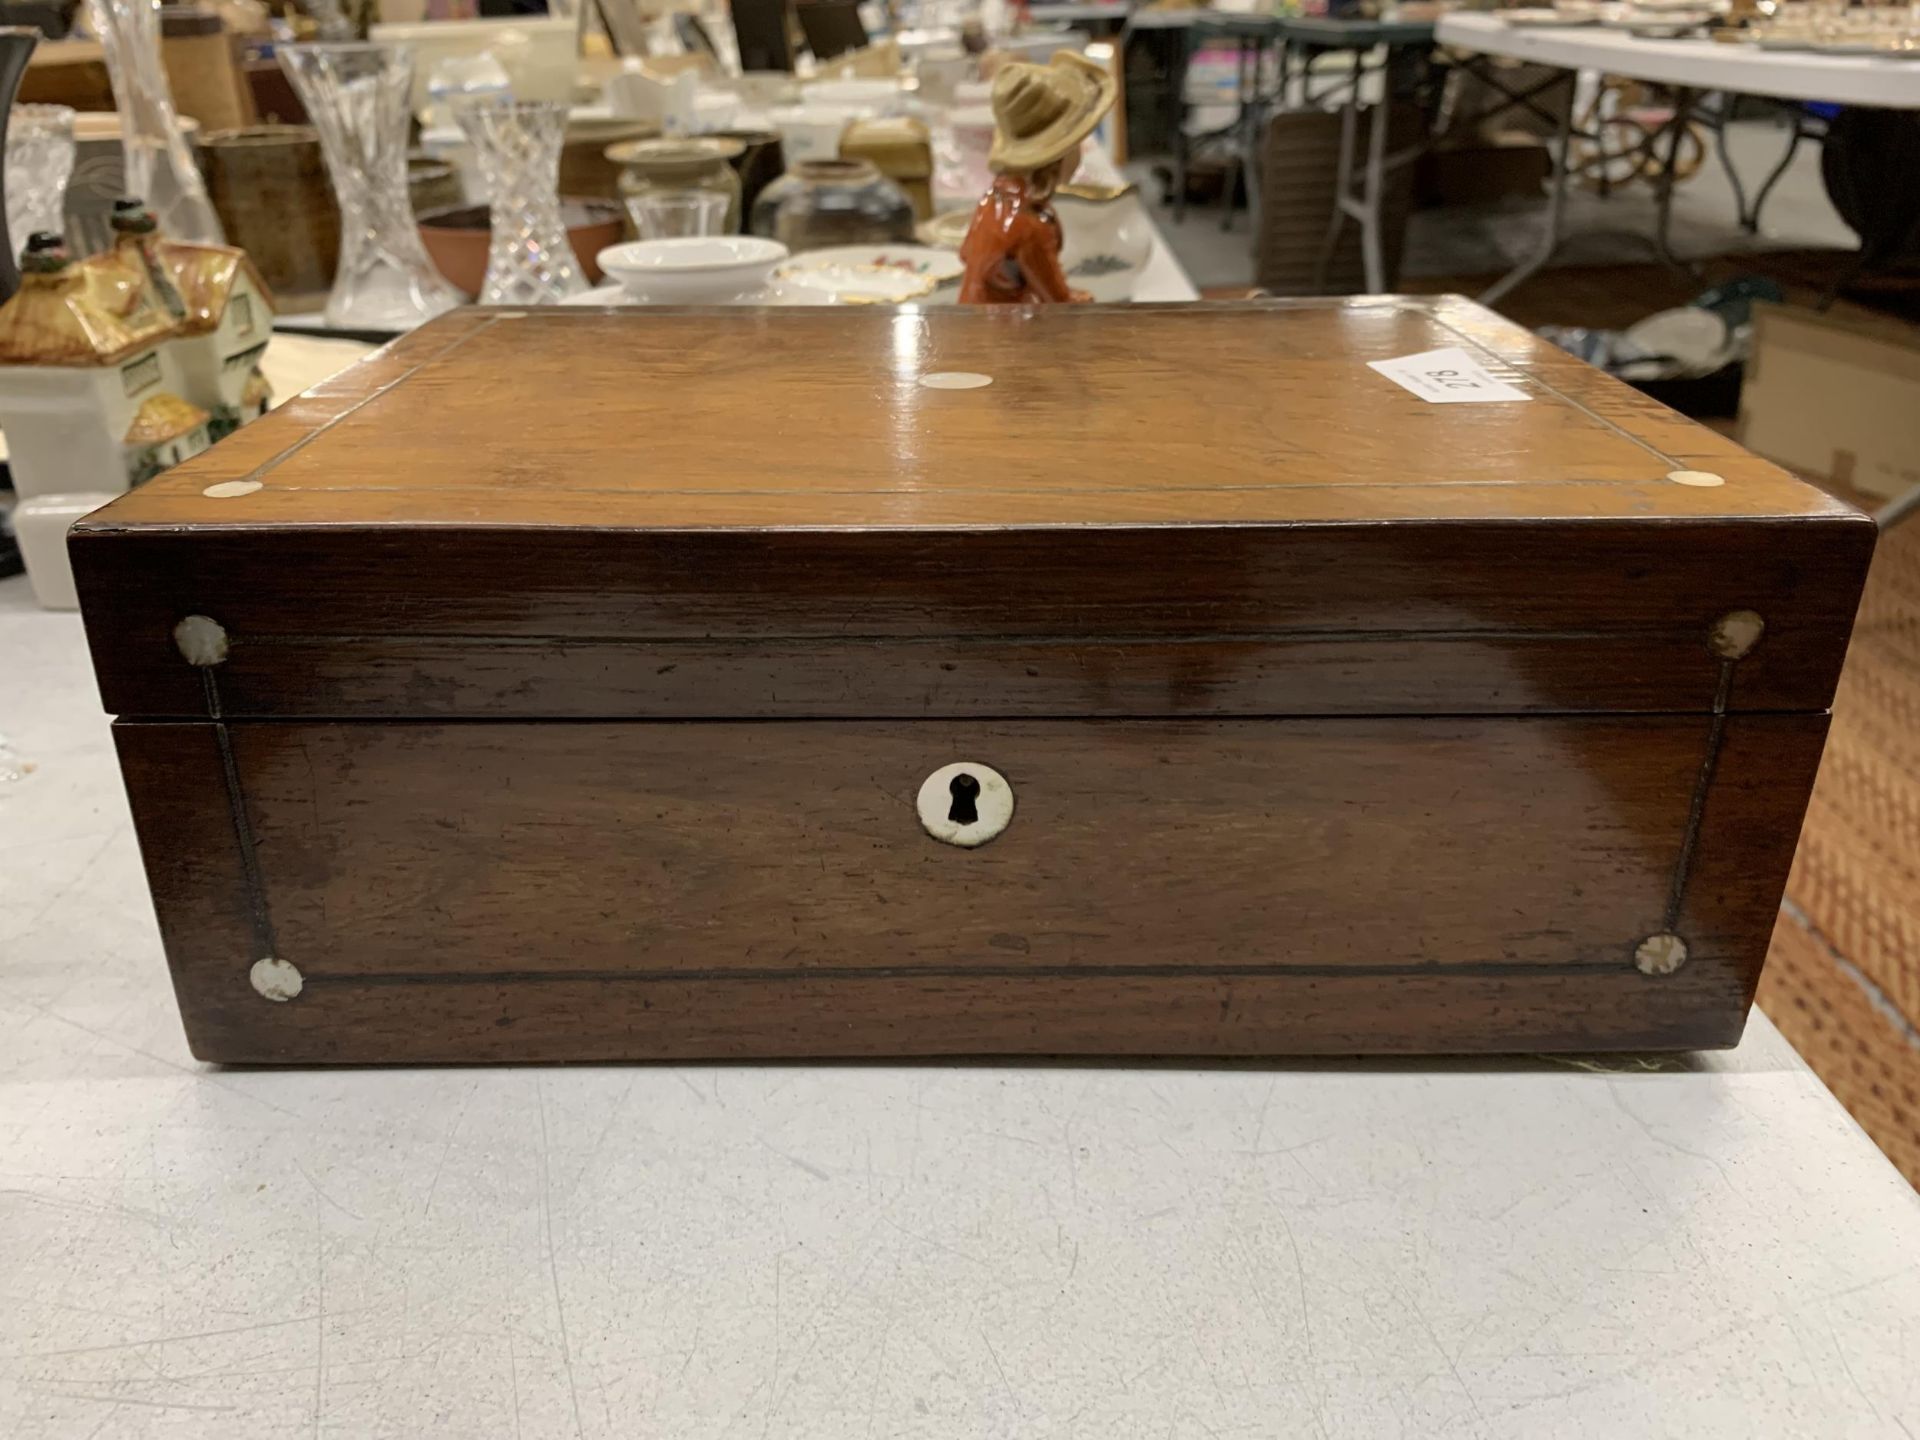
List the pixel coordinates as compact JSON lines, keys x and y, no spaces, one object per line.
{"x":1750,"y":809}
{"x":551,"y":892}
{"x":1177,"y":620}
{"x":183,"y":813}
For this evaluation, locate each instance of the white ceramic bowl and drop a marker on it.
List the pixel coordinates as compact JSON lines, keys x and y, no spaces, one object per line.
{"x":696,"y":270}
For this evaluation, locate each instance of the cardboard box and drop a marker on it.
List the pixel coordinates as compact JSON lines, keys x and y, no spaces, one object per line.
{"x":1835,"y":398}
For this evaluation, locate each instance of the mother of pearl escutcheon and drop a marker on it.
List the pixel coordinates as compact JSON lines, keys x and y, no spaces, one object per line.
{"x":965,"y":803}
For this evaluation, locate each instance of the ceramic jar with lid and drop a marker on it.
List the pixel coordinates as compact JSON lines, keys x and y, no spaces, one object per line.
{"x":818,"y":203}
{"x":680,"y":168}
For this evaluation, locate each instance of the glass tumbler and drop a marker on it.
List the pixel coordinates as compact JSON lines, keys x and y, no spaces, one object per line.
{"x":667,"y":214}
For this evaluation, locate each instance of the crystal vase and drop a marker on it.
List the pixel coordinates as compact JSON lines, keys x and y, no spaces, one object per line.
{"x":159,"y":165}
{"x":39,"y":164}
{"x":16,"y":44}
{"x":356,"y":97}
{"x":530,"y":261}
{"x":330,"y":20}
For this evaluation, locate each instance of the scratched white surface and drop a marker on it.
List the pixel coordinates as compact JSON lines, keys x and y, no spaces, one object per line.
{"x":1332,"y":1250}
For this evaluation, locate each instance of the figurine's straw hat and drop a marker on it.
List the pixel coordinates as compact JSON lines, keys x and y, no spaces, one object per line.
{"x":1040,"y":112}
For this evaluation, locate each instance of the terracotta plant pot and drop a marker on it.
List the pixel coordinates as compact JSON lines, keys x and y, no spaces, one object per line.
{"x":457,"y":239}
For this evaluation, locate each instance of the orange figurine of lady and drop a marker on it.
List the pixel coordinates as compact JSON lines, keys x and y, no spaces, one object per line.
{"x":1041,"y":115}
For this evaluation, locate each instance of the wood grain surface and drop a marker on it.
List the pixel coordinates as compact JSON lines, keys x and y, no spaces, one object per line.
{"x":1188,"y":620}
{"x":1427,"y":876}
{"x":1096,"y":415}
{"x":582,"y":669}
{"x":1176,"y":511}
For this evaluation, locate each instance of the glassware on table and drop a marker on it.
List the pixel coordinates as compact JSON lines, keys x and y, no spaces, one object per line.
{"x":457,"y":78}
{"x":17,"y":43}
{"x":530,"y":261}
{"x":819,"y":203}
{"x":331,"y":21}
{"x":681,"y":167}
{"x":356,"y":97}
{"x":666,"y":215}
{"x":39,"y":163}
{"x":159,"y":164}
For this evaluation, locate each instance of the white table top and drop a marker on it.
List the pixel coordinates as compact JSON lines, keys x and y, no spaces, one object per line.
{"x":1046,"y":13}
{"x":1695,"y":64}
{"x":1709,"y":1248}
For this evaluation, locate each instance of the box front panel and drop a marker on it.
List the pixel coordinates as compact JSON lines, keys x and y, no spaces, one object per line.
{"x":491,"y":891}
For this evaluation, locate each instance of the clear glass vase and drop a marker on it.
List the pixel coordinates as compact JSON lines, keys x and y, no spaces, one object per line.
{"x":530,"y":261}
{"x":356,"y":97}
{"x":159,"y":164}
{"x":39,"y":164}
{"x":330,"y":21}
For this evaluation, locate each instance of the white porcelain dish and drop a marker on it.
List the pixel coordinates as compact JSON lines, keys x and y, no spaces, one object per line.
{"x":694,"y":270}
{"x":871,"y":275}
{"x":1549,"y":18}
{"x":609,"y":295}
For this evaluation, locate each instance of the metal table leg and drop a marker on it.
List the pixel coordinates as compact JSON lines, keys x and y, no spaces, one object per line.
{"x":1342,"y":186}
{"x":1663,"y":212}
{"x":1549,"y":241}
{"x":1372,"y":189}
{"x":1750,"y":215}
{"x":1252,"y":140}
{"x":1895,"y":511}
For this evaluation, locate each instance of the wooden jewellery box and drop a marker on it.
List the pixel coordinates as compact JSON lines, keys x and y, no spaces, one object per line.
{"x":585,"y":685}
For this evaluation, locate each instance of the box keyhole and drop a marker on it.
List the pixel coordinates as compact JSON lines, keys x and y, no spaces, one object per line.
{"x":966,"y":790}
{"x":964,"y":804}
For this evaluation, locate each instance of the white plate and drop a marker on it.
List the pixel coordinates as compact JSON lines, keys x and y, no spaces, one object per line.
{"x":1664,"y":29}
{"x":612,"y":296}
{"x":871,"y":275}
{"x":1863,"y":48}
{"x":610,"y":293}
{"x":1543,"y":19}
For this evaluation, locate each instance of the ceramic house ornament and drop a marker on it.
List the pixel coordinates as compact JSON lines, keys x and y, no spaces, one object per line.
{"x":223,"y":310}
{"x":1042,"y":114}
{"x":116,"y":366}
{"x":89,"y":383}
{"x":136,"y":247}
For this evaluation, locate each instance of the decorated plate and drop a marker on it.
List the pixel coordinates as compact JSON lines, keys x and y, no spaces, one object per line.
{"x":611,"y":294}
{"x":1547,"y":18}
{"x":1879,"y":49}
{"x":870,"y":275}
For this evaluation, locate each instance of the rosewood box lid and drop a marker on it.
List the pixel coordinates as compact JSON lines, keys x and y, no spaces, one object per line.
{"x":1148,"y":510}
